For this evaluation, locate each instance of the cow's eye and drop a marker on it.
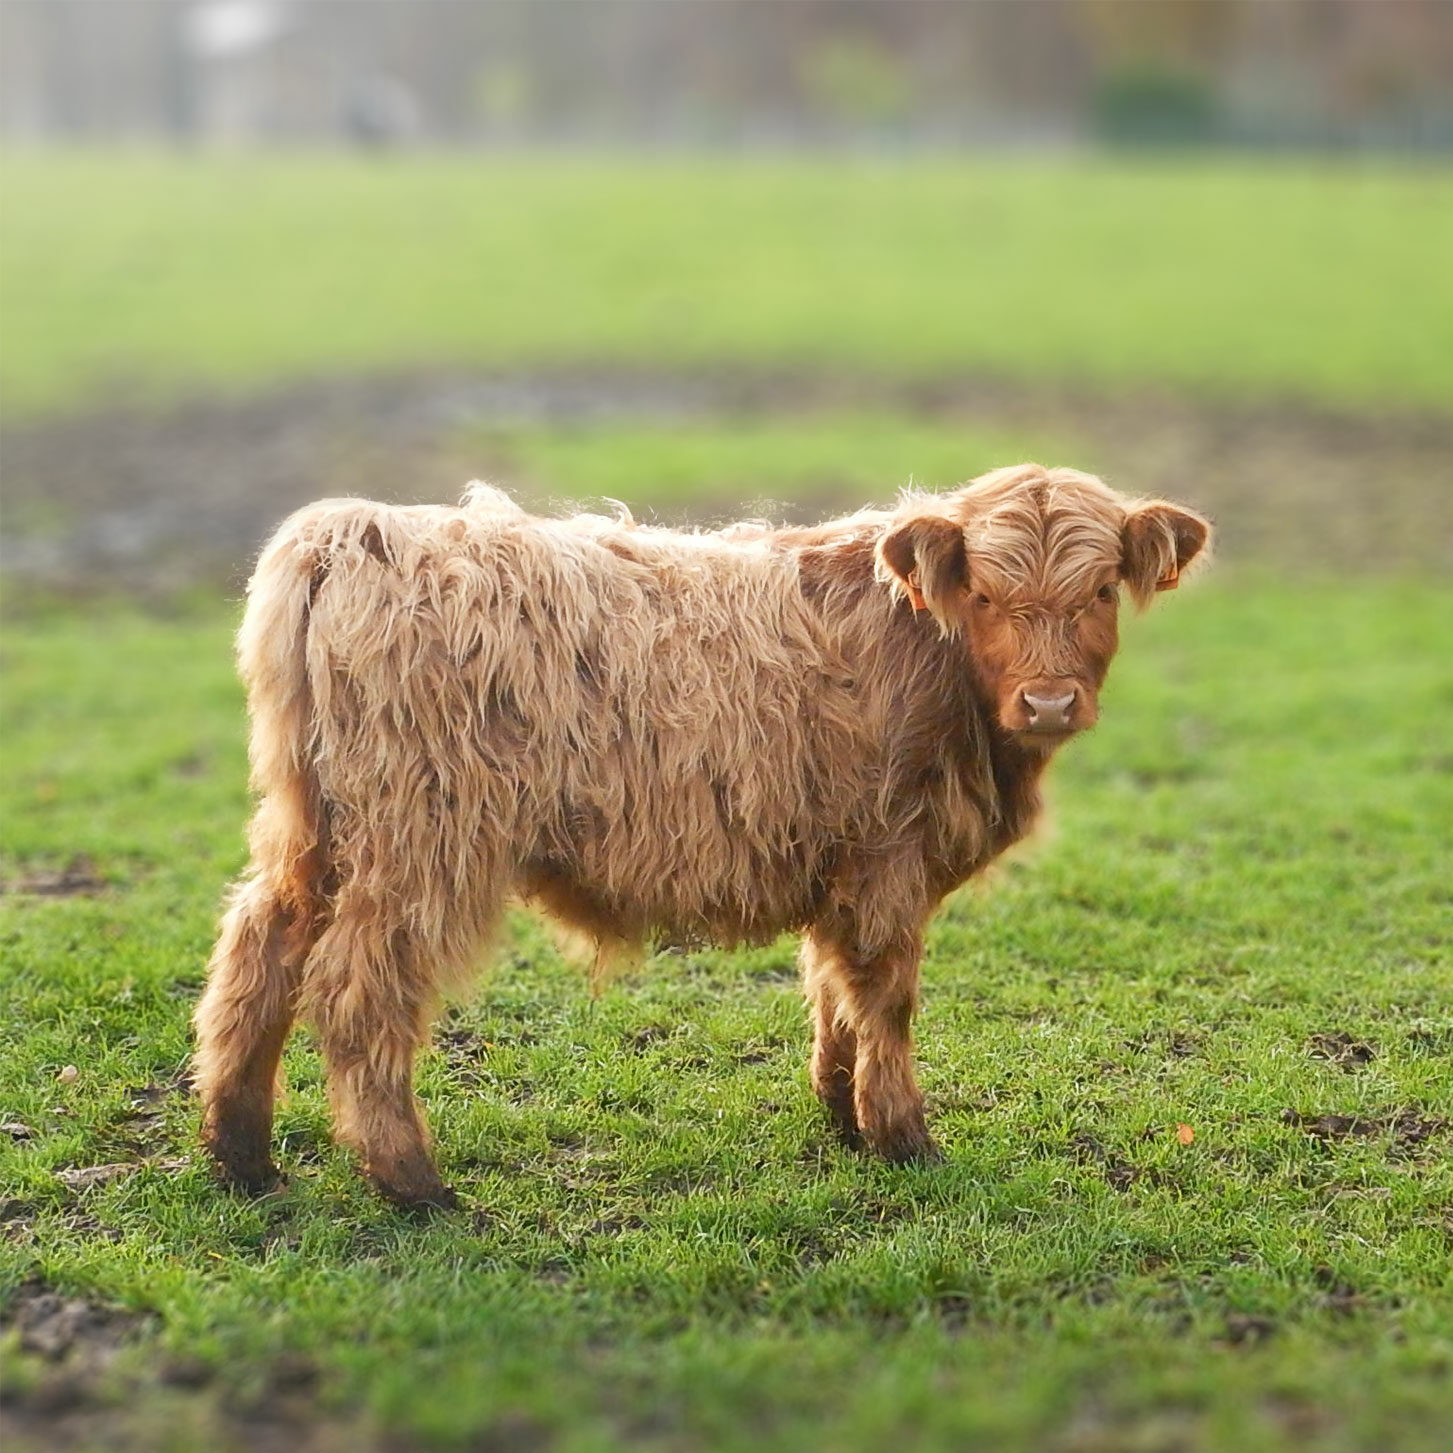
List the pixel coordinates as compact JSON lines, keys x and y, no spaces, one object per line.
{"x":1107,"y":593}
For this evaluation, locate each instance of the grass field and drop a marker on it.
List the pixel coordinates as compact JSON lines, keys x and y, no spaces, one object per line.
{"x":722,"y":468}
{"x":1243,"y":912}
{"x":1238,"y":924}
{"x":1285,"y":278}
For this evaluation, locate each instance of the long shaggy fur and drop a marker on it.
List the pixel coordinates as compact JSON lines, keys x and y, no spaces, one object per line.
{"x":654,"y":734}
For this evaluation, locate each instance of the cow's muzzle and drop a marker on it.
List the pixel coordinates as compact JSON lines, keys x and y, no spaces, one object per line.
{"x":1044,"y":713}
{"x":1050,"y":713}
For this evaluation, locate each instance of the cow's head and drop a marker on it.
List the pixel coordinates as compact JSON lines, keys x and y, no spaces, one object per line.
{"x":1026,"y":566}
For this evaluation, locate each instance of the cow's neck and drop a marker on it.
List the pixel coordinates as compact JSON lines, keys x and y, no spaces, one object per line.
{"x":1017,"y":775}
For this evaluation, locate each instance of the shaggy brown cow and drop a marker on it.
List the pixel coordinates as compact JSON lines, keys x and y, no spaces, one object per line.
{"x":692,"y":736}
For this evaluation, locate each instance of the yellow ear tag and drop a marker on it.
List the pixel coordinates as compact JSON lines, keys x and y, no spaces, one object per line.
{"x":1168,"y":582}
{"x":915,"y":595}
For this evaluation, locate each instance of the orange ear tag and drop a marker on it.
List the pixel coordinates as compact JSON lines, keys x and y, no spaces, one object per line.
{"x":915,"y":595}
{"x":1168,"y":582}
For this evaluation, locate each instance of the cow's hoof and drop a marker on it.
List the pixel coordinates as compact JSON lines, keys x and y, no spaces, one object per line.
{"x":246,"y":1171}
{"x":421,"y":1194}
{"x":844,"y":1121}
{"x":434,"y":1202}
{"x":249,"y":1178}
{"x":907,"y":1145}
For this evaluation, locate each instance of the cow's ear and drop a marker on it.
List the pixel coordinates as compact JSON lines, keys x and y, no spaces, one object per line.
{"x":1157,"y":544}
{"x":924,"y":558}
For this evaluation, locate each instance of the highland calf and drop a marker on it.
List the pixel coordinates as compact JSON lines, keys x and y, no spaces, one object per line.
{"x":698,"y":737}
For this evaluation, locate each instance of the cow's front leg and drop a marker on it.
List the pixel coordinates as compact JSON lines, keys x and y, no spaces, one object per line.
{"x":834,"y":1045}
{"x":877,"y":993}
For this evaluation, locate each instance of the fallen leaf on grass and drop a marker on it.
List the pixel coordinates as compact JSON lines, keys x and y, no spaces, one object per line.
{"x":1185,"y":1134}
{"x":69,"y":1075}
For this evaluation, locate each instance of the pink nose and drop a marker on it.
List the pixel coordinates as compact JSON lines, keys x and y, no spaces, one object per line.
{"x":1049,"y":713}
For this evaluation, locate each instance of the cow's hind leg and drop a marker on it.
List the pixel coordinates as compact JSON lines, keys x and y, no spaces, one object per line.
{"x":371,"y":992}
{"x":242,"y":1022}
{"x":834,"y":1045}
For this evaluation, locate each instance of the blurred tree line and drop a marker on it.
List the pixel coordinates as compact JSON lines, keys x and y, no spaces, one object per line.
{"x":1318,"y":73}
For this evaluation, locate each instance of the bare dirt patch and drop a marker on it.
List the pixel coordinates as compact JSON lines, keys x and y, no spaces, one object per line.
{"x":61,"y":1328}
{"x":154,"y":501}
{"x":1340,"y":1049}
{"x":76,"y":1394}
{"x":142,"y":1125}
{"x":1407,"y":1129}
{"x":87,"y":1177}
{"x":1243,"y":1329}
{"x":78,"y":878}
{"x":74,"y":1340}
{"x":1119,"y":1173}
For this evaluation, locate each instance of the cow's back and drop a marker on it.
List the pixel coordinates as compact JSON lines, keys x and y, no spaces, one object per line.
{"x":664,"y":721}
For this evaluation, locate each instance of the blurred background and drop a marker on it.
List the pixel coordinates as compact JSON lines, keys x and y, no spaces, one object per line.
{"x":718,"y":256}
{"x":1323,"y":73}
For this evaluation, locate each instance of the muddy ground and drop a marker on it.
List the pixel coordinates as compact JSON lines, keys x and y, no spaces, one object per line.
{"x":153,"y":501}
{"x":82,"y":1395}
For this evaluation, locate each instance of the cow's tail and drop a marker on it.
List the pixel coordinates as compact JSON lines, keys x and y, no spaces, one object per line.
{"x":279,"y":908}
{"x":289,"y":832}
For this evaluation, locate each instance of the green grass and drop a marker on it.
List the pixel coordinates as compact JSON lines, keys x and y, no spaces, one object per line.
{"x":733,"y":465}
{"x":157,"y":275}
{"x":661,"y":1247}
